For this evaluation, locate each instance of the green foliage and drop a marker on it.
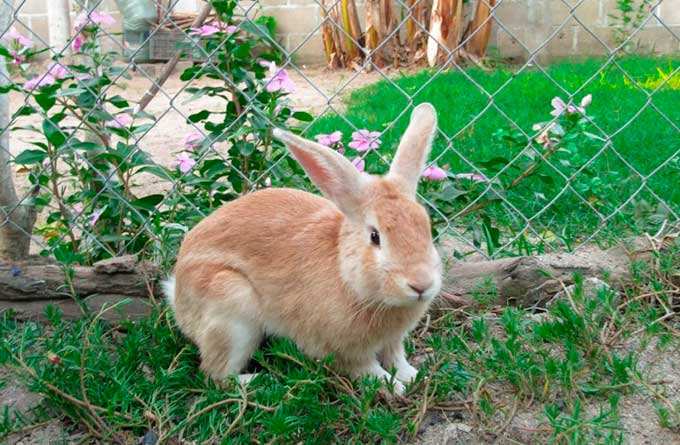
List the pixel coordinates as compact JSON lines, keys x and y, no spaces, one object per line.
{"x":85,"y":163}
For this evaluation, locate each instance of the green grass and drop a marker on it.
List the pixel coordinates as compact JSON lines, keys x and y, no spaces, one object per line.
{"x":471,"y":118}
{"x":116,"y":383}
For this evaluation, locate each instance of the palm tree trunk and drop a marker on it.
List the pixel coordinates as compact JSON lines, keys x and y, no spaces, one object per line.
{"x":479,"y":29}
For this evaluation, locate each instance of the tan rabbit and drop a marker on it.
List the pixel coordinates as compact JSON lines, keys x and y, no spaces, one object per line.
{"x":349,"y":274}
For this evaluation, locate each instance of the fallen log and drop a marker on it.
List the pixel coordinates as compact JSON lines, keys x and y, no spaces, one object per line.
{"x":28,"y":287}
{"x":531,"y":280}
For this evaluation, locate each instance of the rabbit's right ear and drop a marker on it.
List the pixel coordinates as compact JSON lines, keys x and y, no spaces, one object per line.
{"x":414,"y":148}
{"x":335,"y":176}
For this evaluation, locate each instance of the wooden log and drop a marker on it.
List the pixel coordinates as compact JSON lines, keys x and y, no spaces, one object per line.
{"x":528,"y":281}
{"x":31,"y":281}
{"x":28,"y":287}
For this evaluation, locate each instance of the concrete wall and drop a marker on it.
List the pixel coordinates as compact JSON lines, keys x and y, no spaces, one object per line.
{"x":525,"y":23}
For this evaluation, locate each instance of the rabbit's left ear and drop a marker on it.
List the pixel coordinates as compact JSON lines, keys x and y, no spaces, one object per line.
{"x":414,"y":148}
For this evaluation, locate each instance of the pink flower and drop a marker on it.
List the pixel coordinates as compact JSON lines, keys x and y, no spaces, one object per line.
{"x":184,"y":162}
{"x":57,"y":71}
{"x":17,"y":59}
{"x":434,"y":173}
{"x":278,"y":79}
{"x":364,"y":140}
{"x":120,"y":121}
{"x":231,"y":29}
{"x":192,"y":140}
{"x":102,"y":18}
{"x":204,"y":31}
{"x":359,"y":163}
{"x":39,"y":82}
{"x":77,"y":208}
{"x":95,"y":18}
{"x":329,"y":140}
{"x":471,"y":177}
{"x":19,"y":38}
{"x":558,"y":106}
{"x":77,"y":43}
{"x":95,"y":216}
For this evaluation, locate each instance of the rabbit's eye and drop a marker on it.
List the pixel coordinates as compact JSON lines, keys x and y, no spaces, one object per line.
{"x":375,"y":237}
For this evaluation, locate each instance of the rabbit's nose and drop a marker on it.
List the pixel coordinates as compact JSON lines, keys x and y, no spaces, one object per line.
{"x":420,"y":287}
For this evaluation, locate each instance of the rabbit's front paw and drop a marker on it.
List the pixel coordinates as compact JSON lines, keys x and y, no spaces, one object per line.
{"x":399,"y":388}
{"x":406,"y":373}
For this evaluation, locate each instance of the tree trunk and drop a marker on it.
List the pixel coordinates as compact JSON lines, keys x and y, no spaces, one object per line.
{"x":16,"y":217}
{"x":59,"y":24}
{"x":446,"y":25}
{"x":479,"y":29}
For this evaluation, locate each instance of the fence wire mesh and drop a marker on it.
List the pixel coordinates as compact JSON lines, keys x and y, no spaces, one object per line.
{"x":104,"y":177}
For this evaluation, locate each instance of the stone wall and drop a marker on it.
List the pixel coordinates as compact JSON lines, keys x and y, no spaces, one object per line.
{"x":523,"y":26}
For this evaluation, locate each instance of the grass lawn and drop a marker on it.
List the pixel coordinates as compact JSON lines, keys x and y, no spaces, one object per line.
{"x":473,"y":106}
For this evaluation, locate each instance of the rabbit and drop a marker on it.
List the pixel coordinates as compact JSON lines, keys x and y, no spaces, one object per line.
{"x":350,"y":273}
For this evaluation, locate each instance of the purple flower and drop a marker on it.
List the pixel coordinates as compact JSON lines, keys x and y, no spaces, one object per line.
{"x":434,"y":173}
{"x":329,"y":140}
{"x":192,"y":140}
{"x":184,"y":162}
{"x":39,"y":82}
{"x":470,"y":176}
{"x":95,"y":216}
{"x":204,"y":31}
{"x":120,"y":121}
{"x":57,"y":71}
{"x":364,"y":140}
{"x":278,"y":79}
{"x":77,"y":43}
{"x":18,"y":38}
{"x":231,"y":29}
{"x":359,"y":163}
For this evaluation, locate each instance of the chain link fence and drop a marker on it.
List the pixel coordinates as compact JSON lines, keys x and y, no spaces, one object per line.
{"x":105,"y":155}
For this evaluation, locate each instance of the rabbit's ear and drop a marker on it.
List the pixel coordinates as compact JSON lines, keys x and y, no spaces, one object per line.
{"x":335,"y":176}
{"x":414,"y":148}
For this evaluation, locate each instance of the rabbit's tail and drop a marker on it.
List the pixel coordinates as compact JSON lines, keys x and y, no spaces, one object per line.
{"x":169,"y":291}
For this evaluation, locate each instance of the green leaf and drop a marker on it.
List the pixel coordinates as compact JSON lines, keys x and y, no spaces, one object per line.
{"x":118,"y":102}
{"x":87,"y":146}
{"x":46,"y":100}
{"x":147,"y":202}
{"x":29,"y":157}
{"x":303,"y":116}
{"x":25,"y":110}
{"x":53,"y":133}
{"x":201,"y":115}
